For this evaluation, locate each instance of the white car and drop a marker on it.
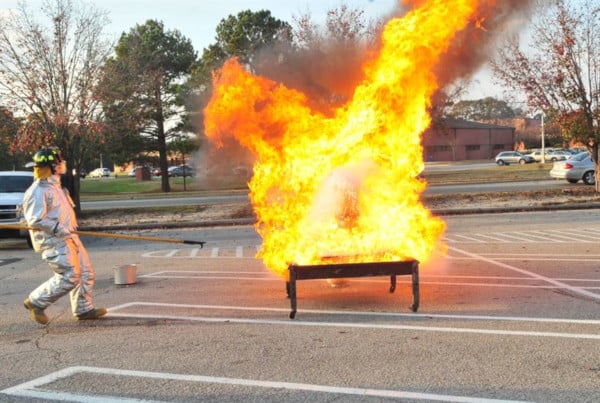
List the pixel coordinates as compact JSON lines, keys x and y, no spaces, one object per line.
{"x":578,"y":167}
{"x":559,"y":155}
{"x":550,"y":155}
{"x":100,"y":173}
{"x":13,"y":185}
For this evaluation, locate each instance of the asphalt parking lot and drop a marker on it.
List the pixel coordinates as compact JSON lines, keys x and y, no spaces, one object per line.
{"x":506,"y":315}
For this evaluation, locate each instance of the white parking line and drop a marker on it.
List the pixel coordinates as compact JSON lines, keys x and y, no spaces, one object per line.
{"x":494,"y":332}
{"x":261,"y":276}
{"x":583,"y":235}
{"x":517,"y":282}
{"x":493,"y":238}
{"x":31,"y":388}
{"x":361,"y":313}
{"x":576,"y":290}
{"x":535,"y":237}
{"x":538,"y":259}
{"x":475,"y":240}
{"x":562,"y":235}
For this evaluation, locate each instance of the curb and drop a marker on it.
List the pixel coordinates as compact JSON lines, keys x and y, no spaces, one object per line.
{"x":516,"y":209}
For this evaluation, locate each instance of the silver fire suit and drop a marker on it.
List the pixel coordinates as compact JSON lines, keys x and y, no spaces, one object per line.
{"x":49,"y":209}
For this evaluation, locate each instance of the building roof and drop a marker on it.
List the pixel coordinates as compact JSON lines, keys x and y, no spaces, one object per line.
{"x":452,"y":123}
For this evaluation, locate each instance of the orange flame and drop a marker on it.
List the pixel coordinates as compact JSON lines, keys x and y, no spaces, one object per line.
{"x":344,"y":185}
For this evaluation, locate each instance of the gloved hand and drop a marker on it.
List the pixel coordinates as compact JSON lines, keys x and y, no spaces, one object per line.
{"x":61,"y":232}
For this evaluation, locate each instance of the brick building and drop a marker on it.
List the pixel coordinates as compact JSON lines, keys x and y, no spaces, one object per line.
{"x":459,"y":140}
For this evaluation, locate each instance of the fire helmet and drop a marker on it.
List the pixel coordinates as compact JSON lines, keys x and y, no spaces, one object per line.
{"x":47,"y":157}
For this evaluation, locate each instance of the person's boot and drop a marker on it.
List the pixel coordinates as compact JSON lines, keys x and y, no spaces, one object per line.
{"x":93,"y":314}
{"x":35,"y":312}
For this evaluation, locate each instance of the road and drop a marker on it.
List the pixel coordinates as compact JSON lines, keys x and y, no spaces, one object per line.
{"x":440,"y":189}
{"x":509,"y":313}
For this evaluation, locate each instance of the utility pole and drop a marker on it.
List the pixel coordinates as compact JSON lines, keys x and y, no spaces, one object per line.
{"x":543,"y":141}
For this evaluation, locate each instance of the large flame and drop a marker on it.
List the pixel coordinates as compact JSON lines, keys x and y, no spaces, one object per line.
{"x":344,"y":185}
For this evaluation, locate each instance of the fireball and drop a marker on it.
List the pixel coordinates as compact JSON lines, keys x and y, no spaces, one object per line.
{"x":343,"y":185}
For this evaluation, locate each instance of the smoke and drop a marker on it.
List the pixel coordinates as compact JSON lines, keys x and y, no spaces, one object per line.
{"x":328,"y":70}
{"x":326,"y":61}
{"x":475,"y":45}
{"x":326,"y":74}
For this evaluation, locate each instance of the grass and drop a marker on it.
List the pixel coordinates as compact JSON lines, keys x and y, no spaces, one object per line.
{"x":93,"y":188}
{"x":96,"y":188}
{"x":510,"y":173}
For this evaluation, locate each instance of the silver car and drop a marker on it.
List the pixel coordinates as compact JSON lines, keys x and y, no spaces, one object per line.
{"x":513,"y":157}
{"x":578,"y":167}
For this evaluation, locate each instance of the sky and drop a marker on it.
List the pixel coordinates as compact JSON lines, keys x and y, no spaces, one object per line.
{"x":198,"y":19}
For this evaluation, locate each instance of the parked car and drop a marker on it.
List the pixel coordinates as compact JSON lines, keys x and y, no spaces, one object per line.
{"x":550,"y":155}
{"x":578,"y":167}
{"x":181,"y":170}
{"x":559,"y":155}
{"x":13,"y":185}
{"x":100,"y":173}
{"x":513,"y":157}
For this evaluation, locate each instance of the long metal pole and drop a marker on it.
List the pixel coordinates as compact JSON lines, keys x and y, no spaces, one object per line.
{"x":113,"y":235}
{"x":543,"y":141}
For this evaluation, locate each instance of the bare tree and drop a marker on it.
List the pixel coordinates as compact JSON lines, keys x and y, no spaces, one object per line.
{"x":48,"y":71}
{"x":560,"y":74}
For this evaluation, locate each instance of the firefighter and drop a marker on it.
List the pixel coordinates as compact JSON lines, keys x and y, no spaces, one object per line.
{"x":49,"y":209}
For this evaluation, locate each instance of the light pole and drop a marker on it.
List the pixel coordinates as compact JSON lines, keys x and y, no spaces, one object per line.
{"x":543,"y":141}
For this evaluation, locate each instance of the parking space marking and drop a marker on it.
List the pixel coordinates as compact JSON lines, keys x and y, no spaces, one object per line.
{"x":578,"y":233}
{"x":534,"y":236}
{"x":237,"y":252}
{"x":468,"y":238}
{"x":484,"y":281}
{"x":34,"y":388}
{"x":487,"y":278}
{"x":530,"y":237}
{"x":307,"y":323}
{"x":424,"y":280}
{"x":213,"y":275}
{"x":411,"y":315}
{"x":532,"y":257}
{"x":576,"y":290}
